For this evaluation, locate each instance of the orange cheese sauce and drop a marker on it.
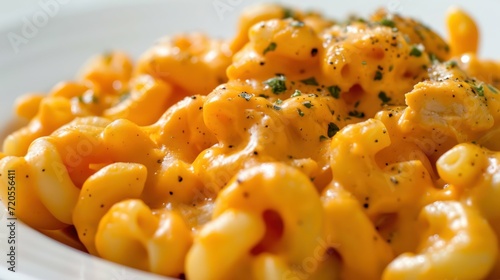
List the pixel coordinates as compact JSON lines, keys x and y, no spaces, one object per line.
{"x":300,"y":148}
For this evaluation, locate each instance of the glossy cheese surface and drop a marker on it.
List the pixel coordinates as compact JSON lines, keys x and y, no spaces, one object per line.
{"x":301,"y":148}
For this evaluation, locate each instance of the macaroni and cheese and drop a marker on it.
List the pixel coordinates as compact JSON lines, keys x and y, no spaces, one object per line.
{"x":302,"y":148}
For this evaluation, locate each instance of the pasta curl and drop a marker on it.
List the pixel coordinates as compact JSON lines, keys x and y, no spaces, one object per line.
{"x":261,"y":196}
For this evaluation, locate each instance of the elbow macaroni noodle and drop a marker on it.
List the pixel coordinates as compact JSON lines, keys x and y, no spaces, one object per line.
{"x":303,"y":148}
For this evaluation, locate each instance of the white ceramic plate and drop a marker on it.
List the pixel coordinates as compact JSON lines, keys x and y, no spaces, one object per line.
{"x":56,"y":49}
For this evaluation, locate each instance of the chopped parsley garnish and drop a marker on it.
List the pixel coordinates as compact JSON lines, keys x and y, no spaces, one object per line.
{"x":334,"y":91}
{"x":362,"y":20}
{"x":279,"y":101}
{"x":363,"y":62}
{"x":332,"y":129}
{"x":245,"y":95}
{"x":323,"y":138}
{"x":378,"y":76}
{"x":383,"y":97}
{"x":492,"y":88}
{"x":271,"y":47}
{"x":415,"y":51}
{"x":300,"y":112}
{"x":433,"y":58}
{"x":263,"y":95}
{"x":87,"y":99}
{"x":475,"y":88}
{"x":356,"y":114}
{"x":296,"y":93}
{"x":387,"y":22}
{"x":288,"y":13}
{"x":310,"y":81}
{"x":451,"y":64}
{"x":277,"y":84}
{"x":480,"y":90}
{"x":307,"y":104}
{"x":297,"y":23}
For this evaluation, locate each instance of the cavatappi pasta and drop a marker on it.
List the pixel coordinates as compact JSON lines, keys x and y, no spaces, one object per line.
{"x":302,"y":148}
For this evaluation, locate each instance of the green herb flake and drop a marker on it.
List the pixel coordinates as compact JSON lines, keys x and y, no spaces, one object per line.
{"x":492,"y":88}
{"x":288,"y":13}
{"x":296,"y":93}
{"x":297,"y":23}
{"x":356,"y":114}
{"x":334,"y":91}
{"x":378,"y":76}
{"x":391,"y":67}
{"x":322,"y":138}
{"x":245,"y":95}
{"x":271,"y":47}
{"x":276,"y":107}
{"x":87,"y":99}
{"x":277,"y":84}
{"x":480,"y":90}
{"x":387,"y":22}
{"x":300,"y":112}
{"x":383,"y":97}
{"x":451,"y":64}
{"x":264,"y":95}
{"x":310,"y":81}
{"x":279,"y":101}
{"x":415,"y":51}
{"x":332,"y":129}
{"x":433,"y":58}
{"x":363,"y":62}
{"x":307,"y":104}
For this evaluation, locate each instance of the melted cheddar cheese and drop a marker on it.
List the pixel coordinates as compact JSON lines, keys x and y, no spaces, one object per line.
{"x":302,"y":148}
